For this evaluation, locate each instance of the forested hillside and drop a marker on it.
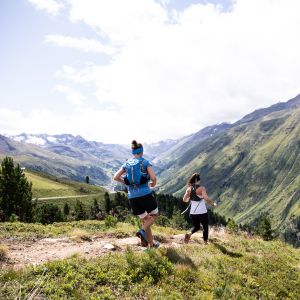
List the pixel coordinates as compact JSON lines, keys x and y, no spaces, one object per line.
{"x":252,"y":168}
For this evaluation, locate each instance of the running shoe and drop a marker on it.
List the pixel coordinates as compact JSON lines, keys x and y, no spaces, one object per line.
{"x":156,"y":244}
{"x":142,"y":235}
{"x":187,"y":237}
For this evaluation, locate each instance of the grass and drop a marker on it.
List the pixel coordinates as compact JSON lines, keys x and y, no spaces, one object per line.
{"x":48,"y":186}
{"x":88,"y":228}
{"x":231,"y":267}
{"x":3,"y":252}
{"x":44,"y":186}
{"x":86,"y":201}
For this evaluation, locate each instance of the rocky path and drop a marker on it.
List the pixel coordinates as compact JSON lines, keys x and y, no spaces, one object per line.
{"x":40,"y":251}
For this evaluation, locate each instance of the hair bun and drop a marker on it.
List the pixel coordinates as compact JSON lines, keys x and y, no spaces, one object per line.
{"x":134,"y":143}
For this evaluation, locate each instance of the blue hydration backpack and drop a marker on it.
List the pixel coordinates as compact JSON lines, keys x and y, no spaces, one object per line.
{"x":136,"y":173}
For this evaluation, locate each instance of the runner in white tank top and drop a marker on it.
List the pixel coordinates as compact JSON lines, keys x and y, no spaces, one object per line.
{"x":198,"y":211}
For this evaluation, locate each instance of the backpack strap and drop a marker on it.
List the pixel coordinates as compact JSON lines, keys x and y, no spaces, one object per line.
{"x":193,"y":195}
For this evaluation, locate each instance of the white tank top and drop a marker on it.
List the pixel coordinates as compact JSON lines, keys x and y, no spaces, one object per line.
{"x":198,"y":207}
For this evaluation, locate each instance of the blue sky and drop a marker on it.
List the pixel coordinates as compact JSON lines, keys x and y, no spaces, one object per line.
{"x":97,"y":68}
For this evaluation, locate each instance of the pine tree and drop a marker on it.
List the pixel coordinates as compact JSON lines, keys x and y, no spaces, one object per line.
{"x":87,"y":179}
{"x":94,"y":209}
{"x":264,"y":228}
{"x":15,"y":192}
{"x":79,"y":211}
{"x":49,"y":213}
{"x":66,"y":209}
{"x":107,"y":202}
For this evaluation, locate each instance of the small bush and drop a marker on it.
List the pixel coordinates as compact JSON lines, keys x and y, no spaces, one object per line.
{"x":13,"y":218}
{"x":232,"y":226}
{"x":151,"y":267}
{"x":163,"y":221}
{"x":110,"y":221}
{"x":135,"y":221}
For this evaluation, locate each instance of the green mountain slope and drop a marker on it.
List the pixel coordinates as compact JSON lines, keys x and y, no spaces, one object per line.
{"x":252,"y":167}
{"x":44,"y":185}
{"x":48,"y":189}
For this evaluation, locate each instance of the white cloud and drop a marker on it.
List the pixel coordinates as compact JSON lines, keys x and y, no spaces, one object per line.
{"x":86,"y":45}
{"x":50,"y":6}
{"x":118,"y":20}
{"x":176,"y":73}
{"x":73,"y":97}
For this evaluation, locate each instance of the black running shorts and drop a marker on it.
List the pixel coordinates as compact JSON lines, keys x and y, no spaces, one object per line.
{"x":140,"y":205}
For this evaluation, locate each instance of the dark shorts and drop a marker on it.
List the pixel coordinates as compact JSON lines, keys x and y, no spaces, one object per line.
{"x":143,"y":204}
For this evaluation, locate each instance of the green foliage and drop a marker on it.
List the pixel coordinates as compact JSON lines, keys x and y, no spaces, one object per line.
{"x":80,"y":213}
{"x":232,"y":226}
{"x":110,"y":221}
{"x":291,"y":232}
{"x":121,"y":200}
{"x":163,"y":221}
{"x":150,"y":267}
{"x":107,"y":202}
{"x":13,"y":218}
{"x":133,"y":220}
{"x":178,"y":220}
{"x":48,"y":214}
{"x":37,"y":230}
{"x":264,"y":228}
{"x":94,"y":210}
{"x":15,"y":192}
{"x":66,"y":209}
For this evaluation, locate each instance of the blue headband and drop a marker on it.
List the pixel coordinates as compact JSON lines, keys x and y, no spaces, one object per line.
{"x":137,"y":151}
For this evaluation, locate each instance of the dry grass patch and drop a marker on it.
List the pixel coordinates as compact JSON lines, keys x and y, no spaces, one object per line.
{"x":3,"y":252}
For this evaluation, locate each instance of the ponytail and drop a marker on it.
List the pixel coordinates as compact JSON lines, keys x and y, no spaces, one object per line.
{"x":193,"y":179}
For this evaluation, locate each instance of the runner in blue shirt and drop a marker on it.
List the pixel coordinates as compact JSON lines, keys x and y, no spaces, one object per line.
{"x":141,"y":199}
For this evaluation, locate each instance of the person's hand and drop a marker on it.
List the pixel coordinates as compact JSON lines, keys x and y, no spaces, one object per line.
{"x":215,"y":204}
{"x":152,"y":184}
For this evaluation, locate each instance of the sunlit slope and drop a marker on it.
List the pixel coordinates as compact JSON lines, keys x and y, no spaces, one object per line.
{"x":253,"y":167}
{"x":48,"y":186}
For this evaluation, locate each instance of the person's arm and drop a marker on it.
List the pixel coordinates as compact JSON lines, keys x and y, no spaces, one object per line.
{"x":152,"y":176}
{"x":118,"y":175}
{"x":201,"y":191}
{"x":187,"y":194}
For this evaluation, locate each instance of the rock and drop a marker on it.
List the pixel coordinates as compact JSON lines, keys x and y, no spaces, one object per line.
{"x":109,"y":247}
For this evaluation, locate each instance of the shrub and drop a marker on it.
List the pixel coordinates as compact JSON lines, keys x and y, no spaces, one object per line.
{"x":264,"y":228}
{"x":163,"y":221}
{"x":151,"y":267}
{"x":13,"y":218}
{"x":135,"y":221}
{"x":232,"y":226}
{"x":110,"y":221}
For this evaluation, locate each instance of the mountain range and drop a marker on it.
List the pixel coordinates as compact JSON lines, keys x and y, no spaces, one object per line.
{"x":251,"y":166}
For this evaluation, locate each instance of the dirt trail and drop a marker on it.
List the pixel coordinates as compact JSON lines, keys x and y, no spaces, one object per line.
{"x":40,"y":251}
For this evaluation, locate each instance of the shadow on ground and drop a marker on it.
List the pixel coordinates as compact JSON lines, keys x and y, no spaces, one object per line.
{"x":226,"y":251}
{"x":177,"y":258}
